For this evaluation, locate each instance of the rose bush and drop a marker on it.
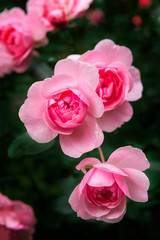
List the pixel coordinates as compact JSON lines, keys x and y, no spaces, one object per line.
{"x":103,"y":190}
{"x":18,"y":38}
{"x":65,"y":104}
{"x":119,"y":82}
{"x":56,"y":13}
{"x":17,"y":220}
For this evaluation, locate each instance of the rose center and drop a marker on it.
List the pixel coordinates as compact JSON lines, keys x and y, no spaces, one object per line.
{"x":110,"y":88}
{"x":66,"y":109}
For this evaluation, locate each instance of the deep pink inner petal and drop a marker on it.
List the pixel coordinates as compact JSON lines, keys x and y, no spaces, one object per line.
{"x":17,"y":39}
{"x":103,"y":196}
{"x":110,"y":88}
{"x":66,"y":109}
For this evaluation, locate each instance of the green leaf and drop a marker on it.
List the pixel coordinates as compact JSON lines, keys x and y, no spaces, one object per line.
{"x":25,"y":145}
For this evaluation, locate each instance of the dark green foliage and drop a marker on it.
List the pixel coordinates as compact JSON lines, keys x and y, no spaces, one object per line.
{"x":40,"y":174}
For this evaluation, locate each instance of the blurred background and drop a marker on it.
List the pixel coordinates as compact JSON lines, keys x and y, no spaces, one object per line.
{"x":40,"y":174}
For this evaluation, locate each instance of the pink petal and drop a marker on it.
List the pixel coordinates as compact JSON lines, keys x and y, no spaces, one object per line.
{"x":80,"y":7}
{"x":38,"y":28}
{"x":85,"y":180}
{"x":136,"y":92}
{"x":122,"y":184}
{"x":96,"y":107}
{"x":83,"y":139}
{"x":101,"y":178}
{"x":36,"y":128}
{"x":55,"y":83}
{"x":87,"y":163}
{"x":110,"y":168}
{"x":117,"y":213}
{"x":79,"y":71}
{"x":16,"y":14}
{"x":74,"y":56}
{"x":115,"y":53}
{"x":113,"y":119}
{"x":129,"y":157}
{"x":95,"y":211}
{"x":77,"y":203}
{"x":138,"y":184}
{"x":94,"y":57}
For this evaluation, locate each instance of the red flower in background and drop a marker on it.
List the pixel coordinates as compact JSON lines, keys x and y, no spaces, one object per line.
{"x":144,"y":3}
{"x":137,"y":20}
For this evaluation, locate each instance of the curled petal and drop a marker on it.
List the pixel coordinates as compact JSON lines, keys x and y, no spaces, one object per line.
{"x":87,"y":163}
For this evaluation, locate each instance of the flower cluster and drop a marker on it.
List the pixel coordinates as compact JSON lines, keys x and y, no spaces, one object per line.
{"x":87,"y":95}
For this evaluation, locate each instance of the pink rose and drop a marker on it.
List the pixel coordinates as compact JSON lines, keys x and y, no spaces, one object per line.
{"x":102,"y":192}
{"x":56,"y":13}
{"x":119,"y":82}
{"x":65,"y":104}
{"x":18,"y":37}
{"x":17,"y":220}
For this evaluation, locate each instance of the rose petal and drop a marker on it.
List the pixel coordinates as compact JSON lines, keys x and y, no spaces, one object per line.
{"x":115,"y":53}
{"x":79,"y":71}
{"x":113,"y":119}
{"x":136,"y":92}
{"x":129,"y":157}
{"x":83,"y":139}
{"x":138,"y":184}
{"x":101,"y":178}
{"x":87,"y":163}
{"x":36,"y":128}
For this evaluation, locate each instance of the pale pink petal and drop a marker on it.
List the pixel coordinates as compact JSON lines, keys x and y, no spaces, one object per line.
{"x":15,"y":15}
{"x":78,"y":204}
{"x":129,"y":157}
{"x":23,"y":62}
{"x":35,"y":90}
{"x":122,"y":184}
{"x":136,"y":92}
{"x":85,"y":180}
{"x":115,"y":214}
{"x":6,"y":63}
{"x":101,"y":178}
{"x":94,"y":57}
{"x":95,"y":211}
{"x":55,"y":83}
{"x":79,"y":71}
{"x":110,"y":168}
{"x":36,"y":128}
{"x":79,"y":7}
{"x":96,"y":107}
{"x":83,"y":139}
{"x":111,"y":120}
{"x":115,"y":53}
{"x":138,"y":184}
{"x":38,"y":28}
{"x":87,"y":163}
{"x":74,"y":56}
{"x":36,"y":6}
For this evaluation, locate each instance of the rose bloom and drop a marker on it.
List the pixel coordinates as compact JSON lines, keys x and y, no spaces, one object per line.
{"x":65,"y":104}
{"x":96,"y":17}
{"x":17,"y":220}
{"x":102,"y":193}
{"x":119,"y":82}
{"x":144,"y":3}
{"x":137,"y":20}
{"x":56,"y":13}
{"x":18,"y":37}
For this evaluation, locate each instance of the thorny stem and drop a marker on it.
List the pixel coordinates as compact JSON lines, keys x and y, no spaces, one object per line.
{"x":101,"y":154}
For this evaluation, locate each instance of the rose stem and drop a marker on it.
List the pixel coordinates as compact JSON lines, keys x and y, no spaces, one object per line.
{"x":101,"y":154}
